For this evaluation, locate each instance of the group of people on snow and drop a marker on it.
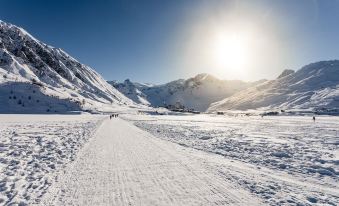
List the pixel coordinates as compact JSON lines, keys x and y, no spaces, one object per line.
{"x":113,"y":116}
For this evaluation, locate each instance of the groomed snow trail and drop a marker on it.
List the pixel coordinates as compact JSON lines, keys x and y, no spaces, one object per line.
{"x":124,"y":165}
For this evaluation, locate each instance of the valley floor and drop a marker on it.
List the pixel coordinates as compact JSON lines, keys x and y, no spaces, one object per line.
{"x":168,"y":160}
{"x":34,"y":147}
{"x":283,"y":160}
{"x":124,"y":165}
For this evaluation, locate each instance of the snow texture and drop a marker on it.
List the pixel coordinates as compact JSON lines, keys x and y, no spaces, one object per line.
{"x":33,"y":148}
{"x":124,"y":165}
{"x":178,"y":160}
{"x":282,"y":160}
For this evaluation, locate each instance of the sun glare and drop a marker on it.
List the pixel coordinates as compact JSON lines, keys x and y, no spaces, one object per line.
{"x":231,"y":53}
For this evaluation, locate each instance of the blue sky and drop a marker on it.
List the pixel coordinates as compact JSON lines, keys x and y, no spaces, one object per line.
{"x":157,"y":41}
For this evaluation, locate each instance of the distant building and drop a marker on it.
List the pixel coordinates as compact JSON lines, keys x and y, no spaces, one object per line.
{"x":178,"y":105}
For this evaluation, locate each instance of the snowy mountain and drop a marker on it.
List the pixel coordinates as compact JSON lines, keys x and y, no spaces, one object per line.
{"x":194,"y":93}
{"x":35,"y":77}
{"x":315,"y":87}
{"x":131,"y":90}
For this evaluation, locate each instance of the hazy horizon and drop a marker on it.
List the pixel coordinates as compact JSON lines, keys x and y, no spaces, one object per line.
{"x":158,"y":42}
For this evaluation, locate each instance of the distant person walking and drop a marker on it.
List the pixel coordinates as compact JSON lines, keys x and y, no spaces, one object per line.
{"x":313,"y":118}
{"x":113,"y":116}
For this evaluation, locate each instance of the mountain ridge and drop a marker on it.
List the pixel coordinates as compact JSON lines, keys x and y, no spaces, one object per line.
{"x":314,"y":86}
{"x":195,"y":93}
{"x":24,"y":59}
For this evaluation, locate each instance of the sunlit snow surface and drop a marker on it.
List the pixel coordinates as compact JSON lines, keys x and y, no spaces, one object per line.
{"x":282,"y":160}
{"x":295,"y":160}
{"x":34,"y":147}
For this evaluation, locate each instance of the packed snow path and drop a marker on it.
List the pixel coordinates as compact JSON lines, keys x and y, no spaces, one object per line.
{"x":123,"y":165}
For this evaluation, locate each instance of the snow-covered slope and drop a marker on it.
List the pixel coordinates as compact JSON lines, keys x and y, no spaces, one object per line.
{"x":315,"y":86}
{"x":194,"y":93}
{"x":35,"y":77}
{"x":131,"y":90}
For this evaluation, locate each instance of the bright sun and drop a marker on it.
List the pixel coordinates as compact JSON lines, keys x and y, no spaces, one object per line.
{"x":231,"y":53}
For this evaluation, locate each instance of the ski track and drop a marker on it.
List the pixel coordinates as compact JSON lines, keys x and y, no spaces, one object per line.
{"x":123,"y":165}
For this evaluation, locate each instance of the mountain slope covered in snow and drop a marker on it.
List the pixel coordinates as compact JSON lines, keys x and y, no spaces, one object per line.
{"x":131,"y":90}
{"x":194,"y":93}
{"x":315,"y":87}
{"x":35,"y":77}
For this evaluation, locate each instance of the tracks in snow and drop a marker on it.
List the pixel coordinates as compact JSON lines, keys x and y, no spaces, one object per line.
{"x":123,"y":165}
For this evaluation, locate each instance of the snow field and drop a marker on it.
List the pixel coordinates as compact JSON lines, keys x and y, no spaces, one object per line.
{"x":302,"y":155}
{"x":123,"y":165}
{"x":33,"y":148}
